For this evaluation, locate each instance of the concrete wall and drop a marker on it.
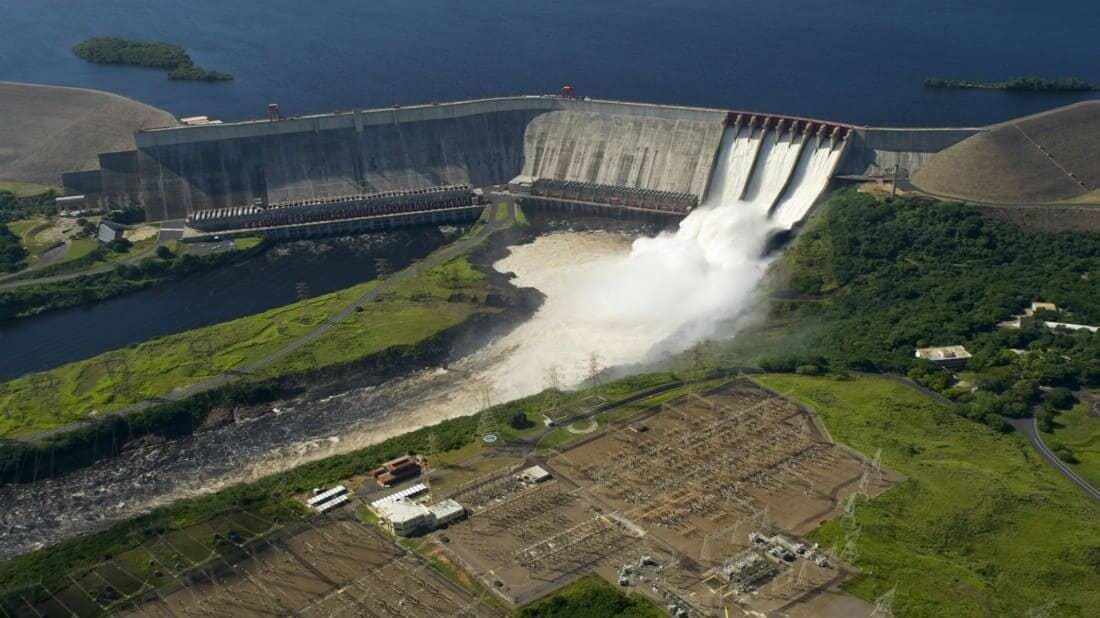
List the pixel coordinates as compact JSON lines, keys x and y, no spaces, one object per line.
{"x":178,"y":171}
{"x":646,"y":152}
{"x":875,"y":151}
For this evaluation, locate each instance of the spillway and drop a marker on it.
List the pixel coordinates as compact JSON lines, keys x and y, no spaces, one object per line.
{"x":775,"y":173}
{"x":680,"y":287}
{"x":811,"y":176}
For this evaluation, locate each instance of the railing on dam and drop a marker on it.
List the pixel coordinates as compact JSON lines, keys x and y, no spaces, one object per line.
{"x":335,"y":208}
{"x":629,"y":198}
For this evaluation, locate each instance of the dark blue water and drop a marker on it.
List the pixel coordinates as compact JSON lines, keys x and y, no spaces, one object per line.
{"x":860,"y":61}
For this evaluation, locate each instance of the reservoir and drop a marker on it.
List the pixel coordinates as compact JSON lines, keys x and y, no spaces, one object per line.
{"x":842,"y":60}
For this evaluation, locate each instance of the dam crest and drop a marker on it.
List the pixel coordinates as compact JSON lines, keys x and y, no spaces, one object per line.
{"x":626,"y":157}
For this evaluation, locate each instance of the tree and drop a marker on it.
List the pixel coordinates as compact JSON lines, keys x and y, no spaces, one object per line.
{"x":1061,"y":398}
{"x":518,"y":420}
{"x":165,"y":253}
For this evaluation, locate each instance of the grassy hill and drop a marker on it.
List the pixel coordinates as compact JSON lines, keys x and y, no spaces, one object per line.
{"x":981,"y":526}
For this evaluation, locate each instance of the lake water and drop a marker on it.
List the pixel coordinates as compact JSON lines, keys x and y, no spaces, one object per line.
{"x":860,"y":61}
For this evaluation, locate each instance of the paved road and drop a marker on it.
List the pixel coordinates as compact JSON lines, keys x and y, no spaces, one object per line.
{"x":459,"y":247}
{"x":1030,"y":429}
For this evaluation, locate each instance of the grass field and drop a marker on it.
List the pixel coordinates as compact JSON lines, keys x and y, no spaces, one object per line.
{"x":413,"y":310}
{"x":27,"y":230}
{"x":1080,"y":433}
{"x":24,"y":189}
{"x":591,"y":597}
{"x":980,"y":527}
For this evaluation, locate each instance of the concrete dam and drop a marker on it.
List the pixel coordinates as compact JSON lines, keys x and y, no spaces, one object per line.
{"x":553,"y":149}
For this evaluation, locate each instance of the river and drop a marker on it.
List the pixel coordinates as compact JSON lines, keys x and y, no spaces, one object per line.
{"x":277,"y":277}
{"x":307,"y":429}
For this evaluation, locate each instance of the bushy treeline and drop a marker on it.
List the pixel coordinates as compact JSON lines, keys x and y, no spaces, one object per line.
{"x":14,"y":208}
{"x":12,"y":253}
{"x":150,"y":54}
{"x":126,"y":216}
{"x":885,"y":277}
{"x":894,"y":276}
{"x":123,"y":279}
{"x":591,"y":597}
{"x":1018,"y":84}
{"x":24,"y":462}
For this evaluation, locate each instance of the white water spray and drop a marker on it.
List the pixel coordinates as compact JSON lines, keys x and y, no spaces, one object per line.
{"x":678,"y":288}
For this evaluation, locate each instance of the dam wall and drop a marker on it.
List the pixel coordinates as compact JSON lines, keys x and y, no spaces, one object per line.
{"x":181,"y":171}
{"x":177,"y":172}
{"x":875,"y":151}
{"x":639,"y":152}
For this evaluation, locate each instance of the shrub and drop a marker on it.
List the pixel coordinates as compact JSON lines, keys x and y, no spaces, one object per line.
{"x":1061,"y":398}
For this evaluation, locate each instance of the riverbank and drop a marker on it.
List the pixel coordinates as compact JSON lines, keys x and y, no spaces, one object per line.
{"x":266,"y":278}
{"x":406,"y":311}
{"x":901,"y":546}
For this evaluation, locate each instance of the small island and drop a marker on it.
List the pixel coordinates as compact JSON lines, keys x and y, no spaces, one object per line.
{"x":1016,"y":84}
{"x":149,"y":54}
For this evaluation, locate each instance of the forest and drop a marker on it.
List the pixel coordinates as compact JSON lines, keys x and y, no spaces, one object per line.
{"x":149,"y":54}
{"x":12,"y":252}
{"x":871,"y":280}
{"x":1016,"y":84}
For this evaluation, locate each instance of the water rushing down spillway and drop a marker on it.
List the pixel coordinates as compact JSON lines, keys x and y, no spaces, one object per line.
{"x":815,"y":166}
{"x":621,"y":302}
{"x":682,"y":286}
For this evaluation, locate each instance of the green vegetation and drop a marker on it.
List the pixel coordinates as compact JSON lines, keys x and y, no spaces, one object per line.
{"x":15,"y":205}
{"x":1016,"y":84}
{"x":872,"y":280}
{"x":247,"y":242}
{"x":28,"y":231}
{"x":150,"y":54}
{"x":410,"y":311}
{"x":126,"y":216}
{"x":12,"y":253}
{"x":272,"y":498}
{"x":24,"y":189}
{"x":1075,"y":437}
{"x":979,"y":527}
{"x":591,"y":597}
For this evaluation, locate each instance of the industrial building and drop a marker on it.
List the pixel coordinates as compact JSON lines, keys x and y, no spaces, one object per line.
{"x":397,"y":470}
{"x":747,"y":570}
{"x":325,"y":501}
{"x":402,"y":515}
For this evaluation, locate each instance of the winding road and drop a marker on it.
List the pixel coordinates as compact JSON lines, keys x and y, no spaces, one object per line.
{"x":1030,"y":428}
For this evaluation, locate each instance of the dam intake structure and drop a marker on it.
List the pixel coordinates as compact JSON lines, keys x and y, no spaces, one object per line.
{"x":630,"y":157}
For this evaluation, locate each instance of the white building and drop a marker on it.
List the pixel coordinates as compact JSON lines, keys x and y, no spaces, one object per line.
{"x":446,"y":512}
{"x":404,"y":517}
{"x":534,"y":474}
{"x":952,"y":356}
